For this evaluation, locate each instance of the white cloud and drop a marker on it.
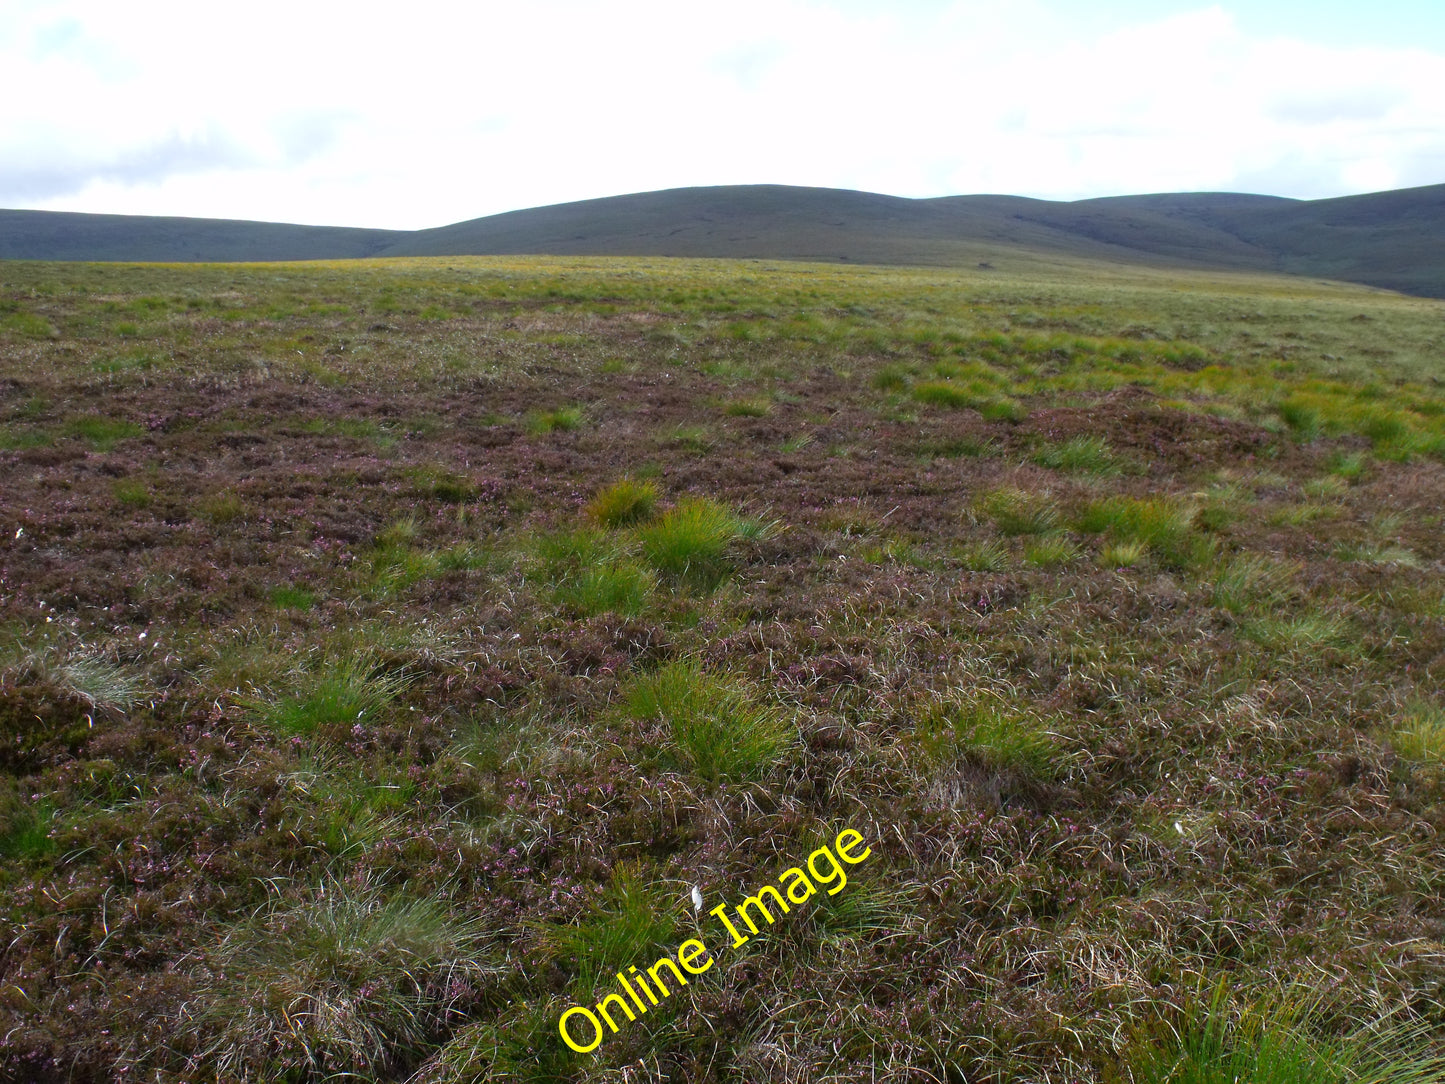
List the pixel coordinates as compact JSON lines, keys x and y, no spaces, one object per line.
{"x":427,"y":113}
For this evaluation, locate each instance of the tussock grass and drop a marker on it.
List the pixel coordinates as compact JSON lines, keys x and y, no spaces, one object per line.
{"x":1130,"y":554}
{"x":519,"y":1046}
{"x":1164,"y":525}
{"x":623,"y":503}
{"x":131,"y":493}
{"x":102,"y":433}
{"x":618,"y":586}
{"x":1274,"y":1043}
{"x":24,"y":825}
{"x":634,"y":917}
{"x":220,"y":509}
{"x":988,"y":556}
{"x":747,"y":408}
{"x":1249,"y":582}
{"x":1326,"y":488}
{"x":1305,"y":633}
{"x":1351,"y":466}
{"x":1370,"y":553}
{"x":988,"y":730}
{"x":955,"y":396}
{"x":589,"y":572}
{"x":1303,"y":418}
{"x":690,"y":542}
{"x":347,"y":980}
{"x":719,"y":729}
{"x":539,"y":423}
{"x":1087,"y":454}
{"x":1050,"y":551}
{"x":292,"y":598}
{"x":1016,"y":511}
{"x":1420,"y":733}
{"x":891,"y":378}
{"x":100,"y":683}
{"x":342,"y":695}
{"x":956,"y":447}
{"x":692,"y":439}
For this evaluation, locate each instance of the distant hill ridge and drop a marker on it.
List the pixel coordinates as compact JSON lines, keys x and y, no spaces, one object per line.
{"x":1394,"y":240}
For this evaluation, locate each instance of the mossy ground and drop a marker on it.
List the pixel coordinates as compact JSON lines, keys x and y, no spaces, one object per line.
{"x":316,"y":602}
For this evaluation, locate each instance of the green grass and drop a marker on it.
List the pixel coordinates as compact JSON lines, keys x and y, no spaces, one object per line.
{"x":343,"y":978}
{"x":102,"y":433}
{"x":1250,"y":582}
{"x":1085,"y":454}
{"x":747,"y":408}
{"x":691,"y":541}
{"x":1164,"y":526}
{"x":955,"y":396}
{"x":1305,"y":633}
{"x":1050,"y":551}
{"x":292,"y":598}
{"x":618,"y":586}
{"x":692,"y":439}
{"x":563,"y":419}
{"x":1420,"y":733}
{"x":718,"y":728}
{"x":1016,"y":511}
{"x":131,"y":493}
{"x":1350,"y":466}
{"x":220,"y":509}
{"x":991,"y":732}
{"x":1303,"y":419}
{"x":1128,"y":554}
{"x":339,"y":696}
{"x":623,"y":503}
{"x":987,"y":556}
{"x":633,"y":922}
{"x":1275,"y":1044}
{"x":28,"y":324}
{"x":891,"y":378}
{"x":24,"y":826}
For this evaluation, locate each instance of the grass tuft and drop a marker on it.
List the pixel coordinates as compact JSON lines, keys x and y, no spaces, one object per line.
{"x":564,"y":419}
{"x":988,"y":556}
{"x":1079,"y":455}
{"x":747,"y":408}
{"x":343,"y":695}
{"x":993,"y":733}
{"x":623,"y":503}
{"x":1272,"y":1043}
{"x":1420,"y":734}
{"x":690,"y":541}
{"x":1016,"y":511}
{"x":347,"y":982}
{"x":632,"y":919}
{"x":102,"y":433}
{"x":1163,"y":525}
{"x":1050,"y":551}
{"x":719,"y":729}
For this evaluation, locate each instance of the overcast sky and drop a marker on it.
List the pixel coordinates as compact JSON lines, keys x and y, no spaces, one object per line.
{"x":417,"y":114}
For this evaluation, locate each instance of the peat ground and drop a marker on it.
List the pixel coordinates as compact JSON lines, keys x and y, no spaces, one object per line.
{"x":353,"y":718}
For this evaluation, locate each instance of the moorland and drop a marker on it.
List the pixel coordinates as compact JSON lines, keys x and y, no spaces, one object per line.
{"x":1384,"y":239}
{"x":390,"y":650}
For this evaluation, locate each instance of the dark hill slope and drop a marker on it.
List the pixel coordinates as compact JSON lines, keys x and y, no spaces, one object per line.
{"x":58,"y":235}
{"x":1394,"y":239}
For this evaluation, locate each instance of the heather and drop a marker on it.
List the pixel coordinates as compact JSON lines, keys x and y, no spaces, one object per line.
{"x":388,"y":648}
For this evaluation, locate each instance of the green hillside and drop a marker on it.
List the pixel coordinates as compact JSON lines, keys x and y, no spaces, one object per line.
{"x":1389,"y":239}
{"x":57,"y":235}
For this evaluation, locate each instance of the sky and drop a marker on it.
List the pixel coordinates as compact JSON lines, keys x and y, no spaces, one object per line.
{"x":408,"y":115}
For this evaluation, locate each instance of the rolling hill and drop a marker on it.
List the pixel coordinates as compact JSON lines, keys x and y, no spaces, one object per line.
{"x":1394,"y":240}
